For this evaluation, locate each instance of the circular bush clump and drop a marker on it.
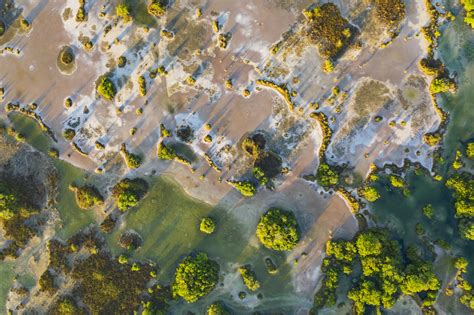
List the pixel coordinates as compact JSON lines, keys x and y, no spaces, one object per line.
{"x":278,"y":230}
{"x":66,"y":56}
{"x":207,"y":226}
{"x":196,"y":276}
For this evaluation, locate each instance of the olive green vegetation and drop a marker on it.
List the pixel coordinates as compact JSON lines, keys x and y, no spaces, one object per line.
{"x":69,"y":134}
{"x":157,"y":7}
{"x":65,"y":306}
{"x":133,"y":161}
{"x":15,"y":212}
{"x":442,"y":85}
{"x":246,"y":188}
{"x":396,"y":181}
{"x":326,"y":176}
{"x":106,"y":88}
{"x":128,"y":192}
{"x":463,"y":192}
{"x":165,"y":152}
{"x":123,"y":11}
{"x":216,"y":308}
{"x":66,"y":55}
{"x":390,"y":12}
{"x":278,"y":230}
{"x":329,"y":29}
{"x":369,"y":193}
{"x":104,"y":285}
{"x":195,"y":277}
{"x":469,"y":8}
{"x":164,"y":133}
{"x":428,"y":211}
{"x":467,"y":295}
{"x":2,"y":28}
{"x":88,"y":196}
{"x":253,"y":145}
{"x":207,"y":226}
{"x":249,"y":278}
{"x":384,"y":276}
{"x":470,"y":150}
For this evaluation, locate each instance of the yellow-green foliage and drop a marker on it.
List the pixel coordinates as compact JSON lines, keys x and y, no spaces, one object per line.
{"x":390,"y":12}
{"x":249,"y":278}
{"x":282,"y":89}
{"x":432,"y":139}
{"x":133,"y":161}
{"x":383,"y":275}
{"x":470,"y":150}
{"x":442,"y":85}
{"x":157,"y":7}
{"x":207,"y":226}
{"x":469,"y":7}
{"x":326,"y":176}
{"x":142,"y":85}
{"x":278,"y":230}
{"x":165,"y":152}
{"x":325,"y":129}
{"x":396,"y":181}
{"x":369,"y":193}
{"x":88,"y":196}
{"x":329,"y":29}
{"x":128,"y":192}
{"x":349,"y":198}
{"x":246,"y":188}
{"x":122,"y":10}
{"x":328,"y":66}
{"x":106,"y":88}
{"x":457,"y":164}
{"x":195,"y":277}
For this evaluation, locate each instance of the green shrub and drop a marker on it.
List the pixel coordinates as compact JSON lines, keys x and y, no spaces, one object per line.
{"x":390,"y":12}
{"x":88,"y":197}
{"x":207,"y":226}
{"x":397,"y":181}
{"x":249,"y":278}
{"x":2,"y":28}
{"x":329,"y":29}
{"x":128,"y":192}
{"x":246,"y":188}
{"x":278,"y":230}
{"x":66,"y":56}
{"x":106,"y":88}
{"x":369,"y":193}
{"x":195,"y":277}
{"x":165,"y":152}
{"x":326,"y":176}
{"x":123,"y":11}
{"x":428,"y":211}
{"x":69,"y":134}
{"x":216,"y":308}
{"x":157,"y":7}
{"x":442,"y":85}
{"x":470,"y":150}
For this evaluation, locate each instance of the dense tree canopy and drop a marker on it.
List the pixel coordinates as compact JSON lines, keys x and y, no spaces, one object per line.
{"x":128,"y":192}
{"x":106,"y":88}
{"x":278,"y":230}
{"x":195,"y":277}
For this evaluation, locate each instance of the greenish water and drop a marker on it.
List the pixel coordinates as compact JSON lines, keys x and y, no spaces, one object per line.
{"x":457,"y":51}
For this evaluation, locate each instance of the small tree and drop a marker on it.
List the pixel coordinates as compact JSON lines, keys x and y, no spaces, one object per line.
{"x":278,"y":230}
{"x":123,"y":11}
{"x":106,"y":88}
{"x":195,"y":277}
{"x":157,"y":7}
{"x":207,"y":226}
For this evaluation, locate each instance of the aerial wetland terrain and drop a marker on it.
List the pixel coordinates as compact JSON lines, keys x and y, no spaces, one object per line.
{"x":236,"y":157}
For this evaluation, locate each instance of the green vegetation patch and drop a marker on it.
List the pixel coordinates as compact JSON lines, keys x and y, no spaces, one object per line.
{"x":207,"y":226}
{"x":246,"y":188}
{"x":463,"y":187}
{"x":195,"y":277}
{"x":278,"y":230}
{"x":329,"y":29}
{"x":128,"y":192}
{"x":249,"y":278}
{"x":88,"y":196}
{"x":384,"y":275}
{"x":106,"y":88}
{"x":390,"y":12}
{"x":326,"y":176}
